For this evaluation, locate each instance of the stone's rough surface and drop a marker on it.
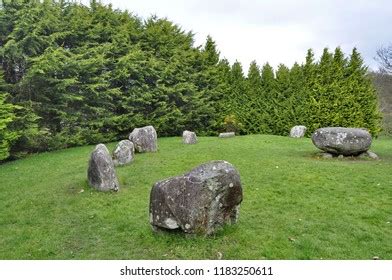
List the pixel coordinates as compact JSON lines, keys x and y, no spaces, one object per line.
{"x":226,"y":134}
{"x":199,"y":202}
{"x":298,"y":131}
{"x":189,"y":137}
{"x":342,"y":141}
{"x":326,"y":155}
{"x":101,"y":174}
{"x":123,"y":153}
{"x":370,"y":155}
{"x":144,"y":139}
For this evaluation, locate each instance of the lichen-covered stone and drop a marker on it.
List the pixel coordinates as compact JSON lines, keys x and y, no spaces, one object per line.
{"x":189,"y":137}
{"x":326,"y":155}
{"x":342,"y":141}
{"x":298,"y":131}
{"x":123,"y":153}
{"x":226,"y":134}
{"x":144,"y":139}
{"x":101,"y":173}
{"x":199,"y":202}
{"x":372,"y":155}
{"x":369,"y":155}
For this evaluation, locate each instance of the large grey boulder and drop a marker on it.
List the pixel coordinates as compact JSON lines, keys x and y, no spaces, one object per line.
{"x":342,"y":141}
{"x":226,"y":134}
{"x":298,"y":131}
{"x":144,"y":139}
{"x":101,"y":174}
{"x":198,"y":202}
{"x":123,"y":153}
{"x":189,"y":137}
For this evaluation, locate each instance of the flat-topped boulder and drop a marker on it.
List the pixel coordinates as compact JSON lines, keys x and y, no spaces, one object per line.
{"x":298,"y":131}
{"x":342,"y":141}
{"x":123,"y":153}
{"x":101,"y":173}
{"x":144,"y":139}
{"x":226,"y":134}
{"x":189,"y":137}
{"x":198,"y":202}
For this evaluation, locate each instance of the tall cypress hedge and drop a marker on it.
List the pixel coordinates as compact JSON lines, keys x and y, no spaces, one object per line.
{"x":77,"y":75}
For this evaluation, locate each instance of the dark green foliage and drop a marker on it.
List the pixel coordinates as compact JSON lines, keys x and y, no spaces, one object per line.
{"x":383,"y":85}
{"x":7,"y":136}
{"x":335,"y":91}
{"x":79,"y":75}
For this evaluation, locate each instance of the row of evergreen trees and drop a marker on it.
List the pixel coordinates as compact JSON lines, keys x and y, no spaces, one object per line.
{"x":74,"y":75}
{"x":334,"y":91}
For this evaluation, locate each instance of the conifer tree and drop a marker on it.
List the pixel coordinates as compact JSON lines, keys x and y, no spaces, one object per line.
{"x":212,"y":87}
{"x":361,"y":97}
{"x":222,"y":105}
{"x":269,"y":99}
{"x":285,"y":102}
{"x":237,"y":97}
{"x":7,"y":136}
{"x":253,"y":90}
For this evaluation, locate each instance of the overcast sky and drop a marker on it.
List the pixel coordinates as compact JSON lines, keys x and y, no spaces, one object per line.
{"x":277,"y":31}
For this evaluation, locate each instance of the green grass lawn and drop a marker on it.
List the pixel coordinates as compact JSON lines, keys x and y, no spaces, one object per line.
{"x":296,"y":205}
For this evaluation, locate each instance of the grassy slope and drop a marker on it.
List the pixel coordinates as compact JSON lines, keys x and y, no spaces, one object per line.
{"x":295,"y":206}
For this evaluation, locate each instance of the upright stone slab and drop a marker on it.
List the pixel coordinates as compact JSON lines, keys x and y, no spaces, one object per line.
{"x":298,"y":131}
{"x":342,"y":141}
{"x":144,"y":139}
{"x":189,"y":137}
{"x":101,"y":173}
{"x":200,"y":201}
{"x":226,"y":134}
{"x":123,"y":153}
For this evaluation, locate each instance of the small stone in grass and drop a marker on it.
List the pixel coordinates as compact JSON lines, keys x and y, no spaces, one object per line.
{"x":326,"y":155}
{"x":219,"y":255}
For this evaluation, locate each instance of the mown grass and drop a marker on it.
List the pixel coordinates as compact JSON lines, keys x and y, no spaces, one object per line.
{"x":296,"y":205}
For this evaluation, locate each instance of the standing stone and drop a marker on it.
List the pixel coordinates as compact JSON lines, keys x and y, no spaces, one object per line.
{"x":298,"y":131}
{"x":342,"y":141}
{"x":144,"y":139}
{"x":200,"y":202}
{"x":189,"y":137}
{"x":123,"y":153}
{"x":101,"y":174}
{"x":226,"y":134}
